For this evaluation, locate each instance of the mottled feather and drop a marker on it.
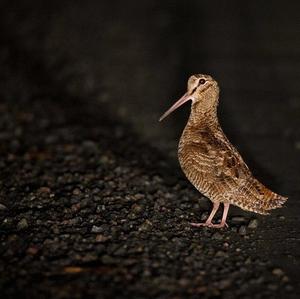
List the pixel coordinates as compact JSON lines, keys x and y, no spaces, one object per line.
{"x":214,"y":166}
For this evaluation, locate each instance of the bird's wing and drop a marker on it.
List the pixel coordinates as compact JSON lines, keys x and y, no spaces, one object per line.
{"x":220,"y":163}
{"x":222,"y":166}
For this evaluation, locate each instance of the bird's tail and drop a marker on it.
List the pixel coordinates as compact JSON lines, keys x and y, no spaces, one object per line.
{"x":260,"y":199}
{"x":272,"y":200}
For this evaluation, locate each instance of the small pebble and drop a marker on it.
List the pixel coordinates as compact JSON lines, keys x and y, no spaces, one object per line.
{"x":285,"y":278}
{"x":136,"y":209}
{"x":220,"y":253}
{"x":76,"y":191}
{"x":32,"y":250}
{"x":44,"y":190}
{"x":278,"y":272}
{"x":253,"y":224}
{"x":2,"y":207}
{"x":243,"y":230}
{"x":184,"y":282}
{"x":226,"y":244}
{"x":96,"y":229}
{"x":101,"y":238}
{"x":204,"y":216}
{"x":248,"y":261}
{"x":22,"y":224}
{"x":104,"y":159}
{"x":238,"y":219}
{"x":224,"y":284}
{"x":233,"y":229}
{"x":217,"y":236}
{"x":138,"y":196}
{"x":145,"y":226}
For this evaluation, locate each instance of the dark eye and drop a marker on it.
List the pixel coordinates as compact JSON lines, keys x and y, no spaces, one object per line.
{"x":201,"y":81}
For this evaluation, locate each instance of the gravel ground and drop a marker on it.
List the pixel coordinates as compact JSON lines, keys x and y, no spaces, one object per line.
{"x":90,"y":208}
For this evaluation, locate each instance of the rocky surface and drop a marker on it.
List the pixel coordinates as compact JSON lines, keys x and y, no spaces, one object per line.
{"x":89,"y":208}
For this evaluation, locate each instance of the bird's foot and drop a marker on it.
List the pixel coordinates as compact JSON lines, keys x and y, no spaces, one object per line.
{"x":201,"y":224}
{"x":210,"y":224}
{"x":220,"y":225}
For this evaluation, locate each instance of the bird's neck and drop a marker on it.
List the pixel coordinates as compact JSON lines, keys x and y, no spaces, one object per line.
{"x":204,"y":110}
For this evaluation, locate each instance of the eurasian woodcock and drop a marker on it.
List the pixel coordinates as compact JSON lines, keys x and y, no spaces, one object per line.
{"x":211,"y":162}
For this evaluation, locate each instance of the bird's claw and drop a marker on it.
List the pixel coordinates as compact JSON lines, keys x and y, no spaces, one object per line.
{"x":220,"y":225}
{"x":209,"y":224}
{"x":200,"y":224}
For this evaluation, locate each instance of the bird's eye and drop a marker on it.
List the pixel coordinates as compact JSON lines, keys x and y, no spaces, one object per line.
{"x":201,"y":81}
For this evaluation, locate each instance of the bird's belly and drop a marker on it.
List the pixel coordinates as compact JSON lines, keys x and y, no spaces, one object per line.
{"x":201,"y":181}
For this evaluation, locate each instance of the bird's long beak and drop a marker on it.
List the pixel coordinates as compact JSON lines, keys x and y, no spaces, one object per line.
{"x":180,"y":102}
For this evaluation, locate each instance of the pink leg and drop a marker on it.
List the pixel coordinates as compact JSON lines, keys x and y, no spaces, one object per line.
{"x":209,"y":219}
{"x":223,"y":222}
{"x":212,"y":214}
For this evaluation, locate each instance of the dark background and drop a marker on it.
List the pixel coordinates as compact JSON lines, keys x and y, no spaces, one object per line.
{"x":93,"y":203}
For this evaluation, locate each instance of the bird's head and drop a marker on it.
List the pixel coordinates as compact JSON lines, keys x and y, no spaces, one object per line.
{"x":202,"y":89}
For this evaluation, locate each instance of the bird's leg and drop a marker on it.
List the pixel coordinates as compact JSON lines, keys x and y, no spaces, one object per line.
{"x":210,"y":217}
{"x":223,"y":222}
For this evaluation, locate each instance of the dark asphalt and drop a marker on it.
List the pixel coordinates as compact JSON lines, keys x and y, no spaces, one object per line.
{"x":92,"y":201}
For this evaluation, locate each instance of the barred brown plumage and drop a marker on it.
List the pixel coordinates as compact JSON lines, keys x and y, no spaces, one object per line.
{"x":211,"y":162}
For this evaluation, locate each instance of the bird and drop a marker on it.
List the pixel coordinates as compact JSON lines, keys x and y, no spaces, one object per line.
{"x":211,"y":163}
